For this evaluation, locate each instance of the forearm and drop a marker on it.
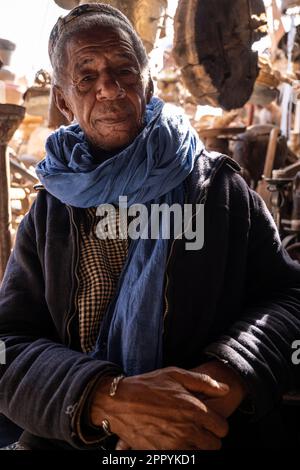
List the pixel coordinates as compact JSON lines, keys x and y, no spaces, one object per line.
{"x":258,"y":345}
{"x":43,"y":383}
{"x":259,"y":349}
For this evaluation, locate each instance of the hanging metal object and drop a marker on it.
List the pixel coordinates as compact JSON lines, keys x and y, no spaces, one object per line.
{"x":36,"y":98}
{"x":212,"y":45}
{"x":147,"y":17}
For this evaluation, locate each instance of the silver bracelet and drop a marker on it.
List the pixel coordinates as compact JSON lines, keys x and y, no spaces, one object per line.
{"x":114,"y":385}
{"x":112,"y":391}
{"x":106,"y":427}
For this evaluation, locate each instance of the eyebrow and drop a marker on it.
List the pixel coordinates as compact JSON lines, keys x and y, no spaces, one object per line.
{"x":124,"y":55}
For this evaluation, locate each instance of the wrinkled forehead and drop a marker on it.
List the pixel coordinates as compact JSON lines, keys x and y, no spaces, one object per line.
{"x":110,"y":39}
{"x":103,"y":35}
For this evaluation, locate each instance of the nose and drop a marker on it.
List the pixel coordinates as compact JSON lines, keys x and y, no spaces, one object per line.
{"x":108,"y":87}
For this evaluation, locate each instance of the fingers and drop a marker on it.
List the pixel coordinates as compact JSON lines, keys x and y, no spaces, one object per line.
{"x":204,"y":417}
{"x":207,"y":441}
{"x":200,"y":383}
{"x":201,"y":440}
{"x":122,"y":445}
{"x":212,"y":421}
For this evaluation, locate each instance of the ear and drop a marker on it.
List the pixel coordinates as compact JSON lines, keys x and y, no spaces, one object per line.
{"x":149,"y":89}
{"x":61,"y":103}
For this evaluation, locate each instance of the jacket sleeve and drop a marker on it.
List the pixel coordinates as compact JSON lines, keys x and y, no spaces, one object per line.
{"x":259,"y":345}
{"x":42,"y":382}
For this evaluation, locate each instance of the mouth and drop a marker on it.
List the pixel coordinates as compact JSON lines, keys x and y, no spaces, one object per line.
{"x":111,"y":120}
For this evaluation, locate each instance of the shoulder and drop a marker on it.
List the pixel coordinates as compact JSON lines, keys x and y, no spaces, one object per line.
{"x":46,"y":209}
{"x":219,"y":175}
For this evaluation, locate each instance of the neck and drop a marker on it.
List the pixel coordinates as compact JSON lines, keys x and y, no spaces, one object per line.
{"x":99,"y":155}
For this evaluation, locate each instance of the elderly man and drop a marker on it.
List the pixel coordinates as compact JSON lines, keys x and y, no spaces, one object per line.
{"x":138,"y":338}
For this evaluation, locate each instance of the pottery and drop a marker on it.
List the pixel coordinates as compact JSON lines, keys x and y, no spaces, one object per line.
{"x":6,"y":49}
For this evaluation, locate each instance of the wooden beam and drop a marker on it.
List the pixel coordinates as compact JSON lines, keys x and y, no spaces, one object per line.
{"x":5,"y":210}
{"x":10,"y":117}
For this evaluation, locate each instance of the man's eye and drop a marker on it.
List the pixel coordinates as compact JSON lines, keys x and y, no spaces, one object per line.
{"x":128,"y":76}
{"x":88,"y":78}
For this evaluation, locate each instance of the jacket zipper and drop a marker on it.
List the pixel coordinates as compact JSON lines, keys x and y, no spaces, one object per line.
{"x":74,"y":269}
{"x":203,"y":198}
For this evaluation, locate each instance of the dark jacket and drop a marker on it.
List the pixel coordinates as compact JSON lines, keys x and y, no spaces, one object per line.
{"x":238,"y":298}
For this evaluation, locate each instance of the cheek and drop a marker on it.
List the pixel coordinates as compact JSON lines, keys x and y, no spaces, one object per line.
{"x":139,"y":102}
{"x":83,"y":109}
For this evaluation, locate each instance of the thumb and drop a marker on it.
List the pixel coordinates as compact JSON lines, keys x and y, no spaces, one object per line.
{"x":201,"y":383}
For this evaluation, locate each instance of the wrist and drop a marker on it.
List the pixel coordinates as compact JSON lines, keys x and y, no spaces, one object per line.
{"x":98,"y":402}
{"x":102,"y":402}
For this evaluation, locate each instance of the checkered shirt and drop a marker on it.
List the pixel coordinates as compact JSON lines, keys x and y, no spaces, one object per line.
{"x":100,"y":266}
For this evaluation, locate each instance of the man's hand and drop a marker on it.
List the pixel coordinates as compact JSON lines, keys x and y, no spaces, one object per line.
{"x":224,"y":405}
{"x":160,"y":410}
{"x":219,"y":371}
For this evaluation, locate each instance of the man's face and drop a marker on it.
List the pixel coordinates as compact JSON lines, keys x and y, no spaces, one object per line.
{"x":104,"y":87}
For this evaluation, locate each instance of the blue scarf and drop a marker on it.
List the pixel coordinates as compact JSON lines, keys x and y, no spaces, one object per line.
{"x":149,"y":171}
